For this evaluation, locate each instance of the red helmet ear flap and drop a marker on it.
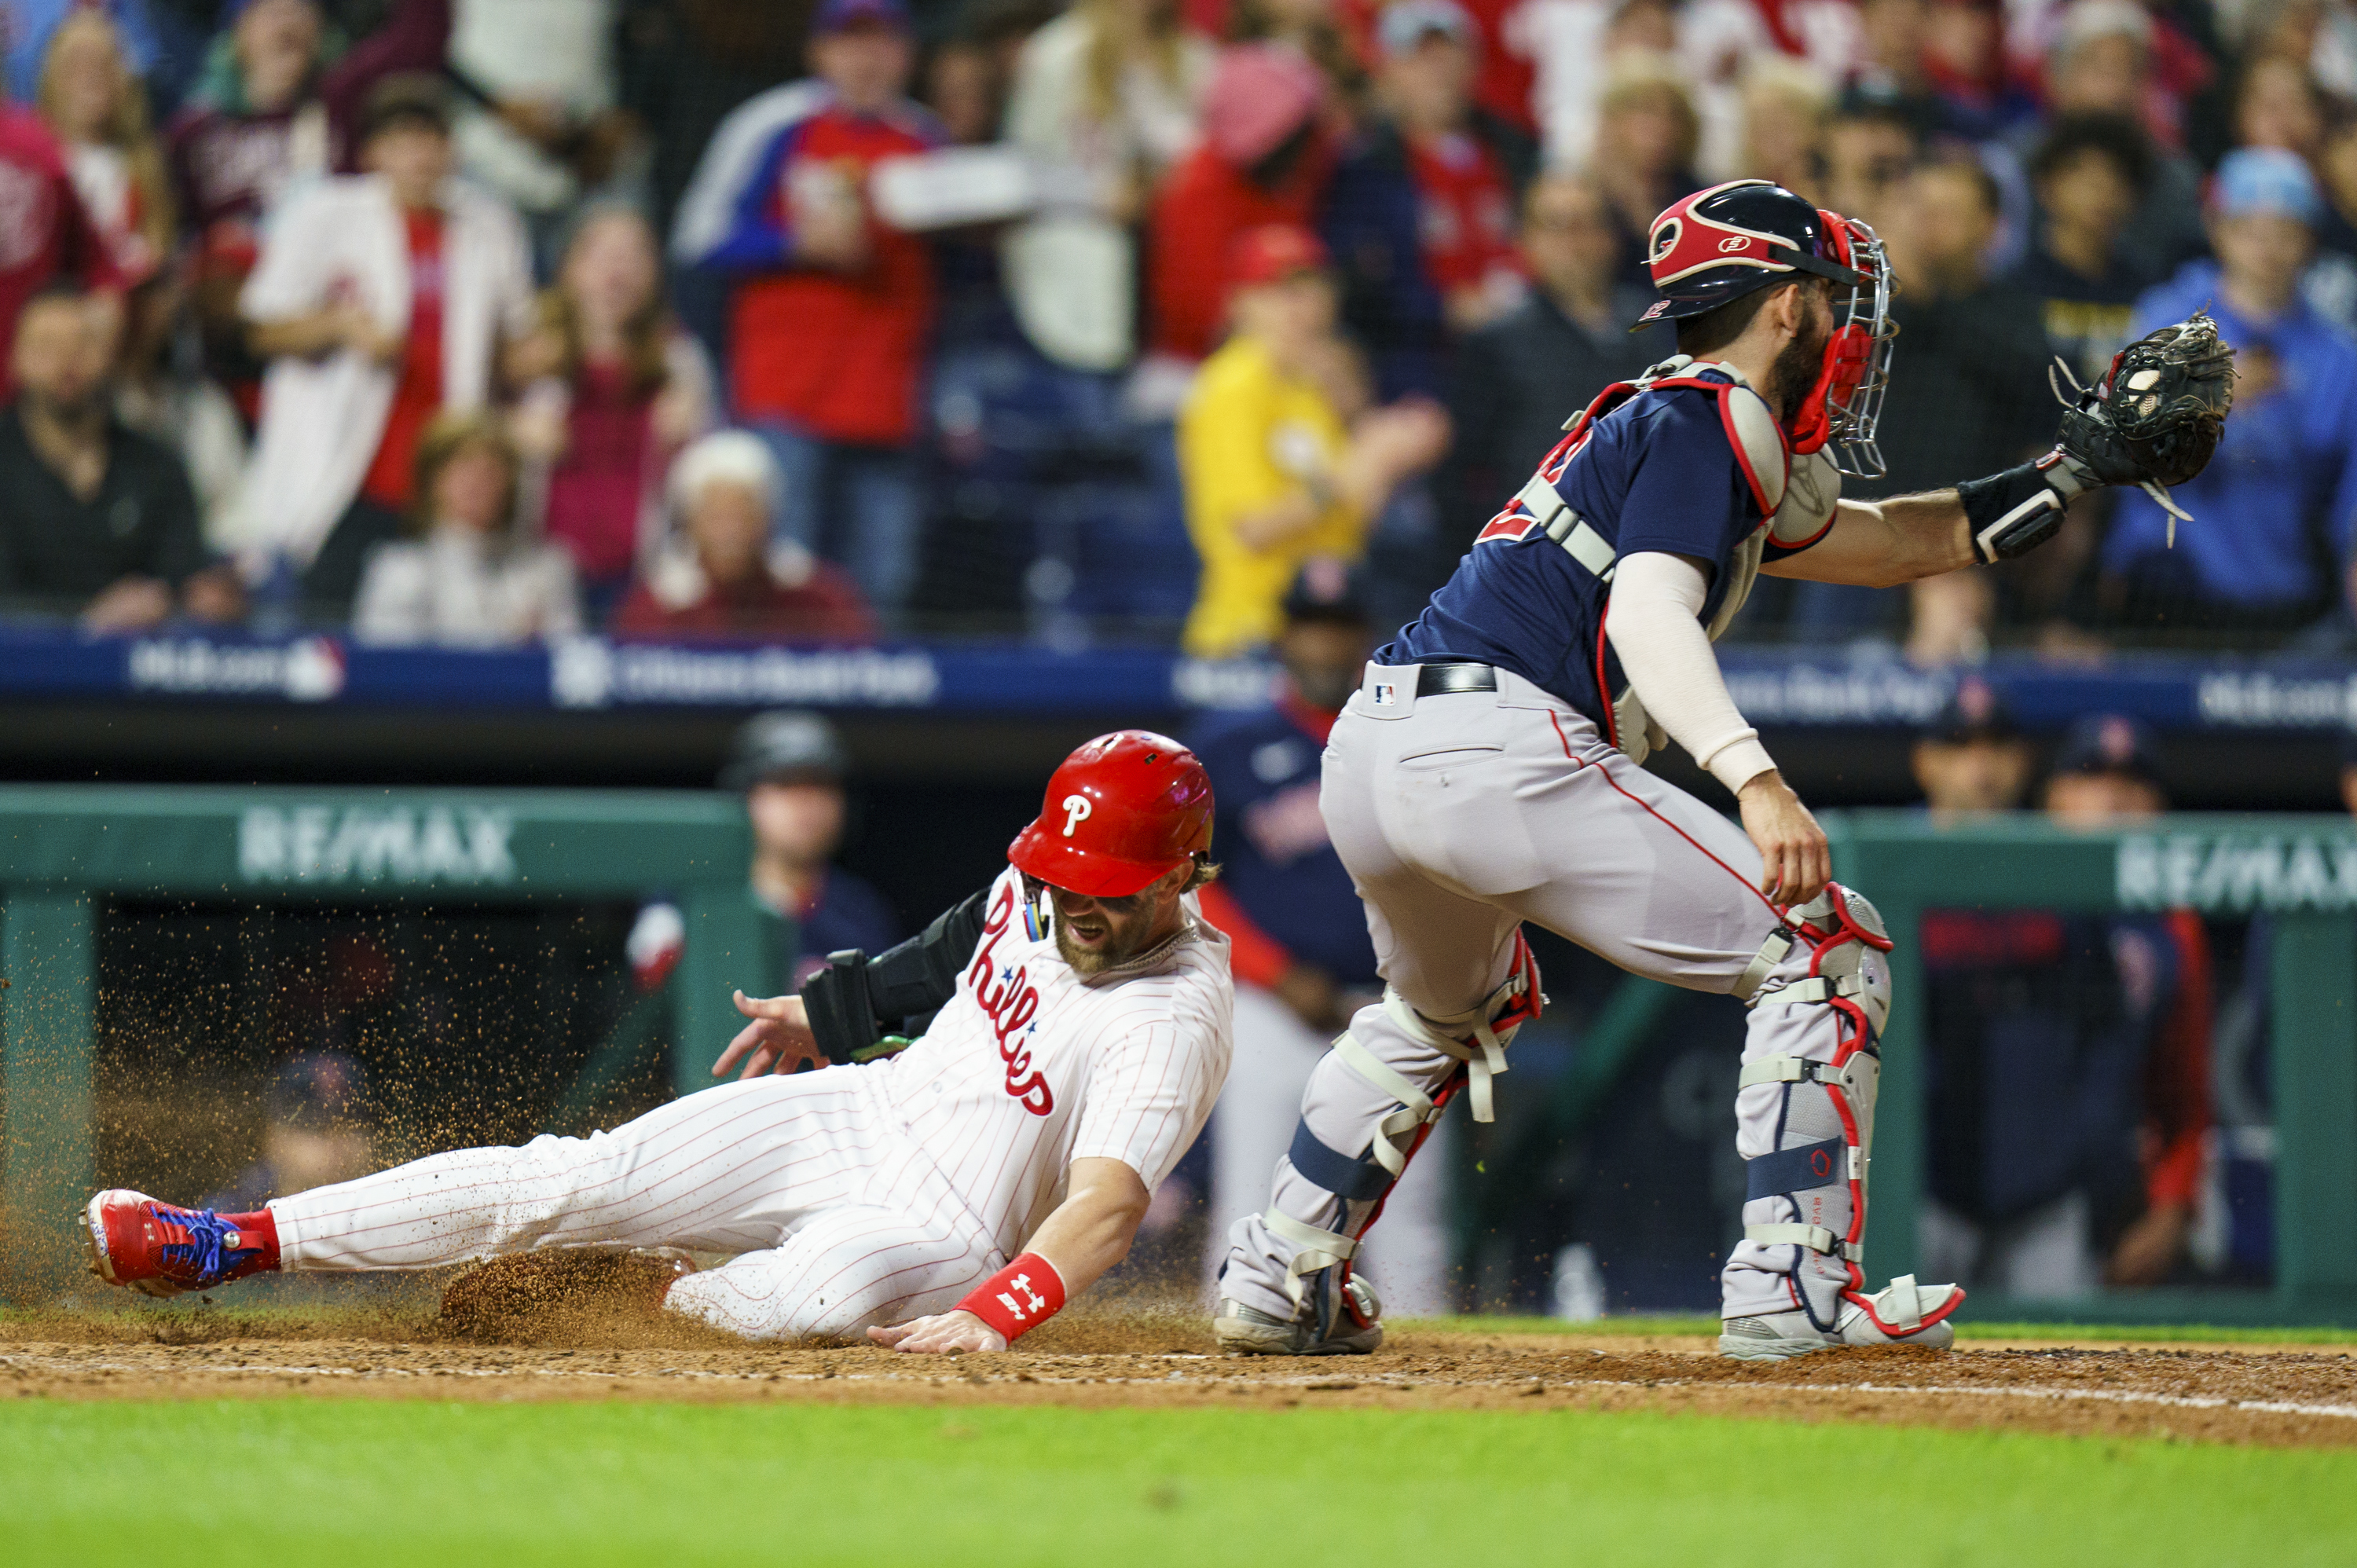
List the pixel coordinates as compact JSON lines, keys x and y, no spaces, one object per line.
{"x":1836,"y":228}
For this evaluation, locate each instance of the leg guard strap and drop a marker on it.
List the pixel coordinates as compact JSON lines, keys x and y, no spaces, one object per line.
{"x":1798,"y":1169}
{"x":1815,"y":1237}
{"x":1491,"y":1025}
{"x":1337,"y":1173}
{"x":1416,"y":1107}
{"x":1314,"y":1249}
{"x":1763,"y":964}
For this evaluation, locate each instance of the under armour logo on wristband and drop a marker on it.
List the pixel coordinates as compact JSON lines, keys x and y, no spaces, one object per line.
{"x":1032,"y":1299}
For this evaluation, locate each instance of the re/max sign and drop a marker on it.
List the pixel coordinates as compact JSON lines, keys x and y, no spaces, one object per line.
{"x":2179,"y":871}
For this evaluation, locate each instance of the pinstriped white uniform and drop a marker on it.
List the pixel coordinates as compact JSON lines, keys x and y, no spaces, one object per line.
{"x":852,"y":1196}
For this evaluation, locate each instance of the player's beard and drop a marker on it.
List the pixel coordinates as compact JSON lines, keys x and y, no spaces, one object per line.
{"x":1124,"y":934}
{"x":1799,"y":365}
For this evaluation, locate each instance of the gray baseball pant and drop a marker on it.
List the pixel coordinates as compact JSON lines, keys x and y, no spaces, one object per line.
{"x":1460,"y":816}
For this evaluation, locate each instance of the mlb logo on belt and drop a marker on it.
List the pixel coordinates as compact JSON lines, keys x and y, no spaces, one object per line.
{"x":1386,"y":694}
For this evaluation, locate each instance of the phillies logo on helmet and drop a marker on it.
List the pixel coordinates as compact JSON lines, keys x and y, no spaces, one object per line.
{"x":1124,"y":809}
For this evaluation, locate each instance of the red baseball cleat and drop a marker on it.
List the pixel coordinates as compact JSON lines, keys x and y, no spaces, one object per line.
{"x":161,"y":1250}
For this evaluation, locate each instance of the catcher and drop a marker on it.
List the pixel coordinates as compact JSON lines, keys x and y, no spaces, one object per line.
{"x":1485,"y":772}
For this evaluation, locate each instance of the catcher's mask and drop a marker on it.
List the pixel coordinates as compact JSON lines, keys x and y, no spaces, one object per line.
{"x":1720,"y":244}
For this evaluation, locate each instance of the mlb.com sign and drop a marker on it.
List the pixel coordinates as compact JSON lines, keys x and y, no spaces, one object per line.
{"x":460,"y":845}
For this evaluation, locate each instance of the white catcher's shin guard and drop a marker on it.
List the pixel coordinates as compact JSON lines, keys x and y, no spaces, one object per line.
{"x":1804,"y":1118}
{"x":1287,"y":1287}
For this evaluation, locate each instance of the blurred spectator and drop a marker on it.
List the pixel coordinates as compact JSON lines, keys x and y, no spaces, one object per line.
{"x":46,"y":232}
{"x":98,"y":111}
{"x":163,"y":393}
{"x":614,"y":388}
{"x":2089,"y":174}
{"x":540,"y":126}
{"x":1785,"y":103}
{"x":726,"y":578}
{"x":1520,"y":377}
{"x":317,"y":1131}
{"x":1311,"y":29}
{"x":2106,"y":771}
{"x":684,"y":66}
{"x":28,"y":27}
{"x":1970,"y":397}
{"x":1277,"y":460}
{"x":2278,"y":506}
{"x":379,"y":300}
{"x":1264,"y":160}
{"x":234,"y":152}
{"x":411,"y":38}
{"x":100,"y":519}
{"x":2102,"y":60}
{"x":962,"y":87}
{"x":1106,"y":97}
{"x":1895,"y":73}
{"x":1463,"y":169}
{"x":2277,"y":105}
{"x":1973,"y":758}
{"x":1869,"y":151}
{"x":1646,"y":138}
{"x":1302,"y":958}
{"x":789,"y":766}
{"x":831,"y":308}
{"x":2093,"y":1179}
{"x":1964,"y":63}
{"x":474,"y":578}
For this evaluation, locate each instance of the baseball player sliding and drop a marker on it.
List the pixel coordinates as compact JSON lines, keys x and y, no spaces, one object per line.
{"x":959,"y":1191}
{"x":1486,"y":772}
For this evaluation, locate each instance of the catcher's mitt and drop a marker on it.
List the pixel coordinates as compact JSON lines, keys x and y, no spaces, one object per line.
{"x":2156,"y":418}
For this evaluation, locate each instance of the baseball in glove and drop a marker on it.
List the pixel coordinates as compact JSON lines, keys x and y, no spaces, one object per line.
{"x":2156,"y":418}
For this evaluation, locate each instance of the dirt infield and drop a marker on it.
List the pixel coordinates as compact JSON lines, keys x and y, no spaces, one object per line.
{"x":2292,"y":1396}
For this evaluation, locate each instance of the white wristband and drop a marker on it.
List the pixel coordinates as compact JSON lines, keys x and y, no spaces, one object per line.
{"x":1739,"y":761}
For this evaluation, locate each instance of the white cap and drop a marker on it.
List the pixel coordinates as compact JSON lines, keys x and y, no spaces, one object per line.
{"x":726,"y":456}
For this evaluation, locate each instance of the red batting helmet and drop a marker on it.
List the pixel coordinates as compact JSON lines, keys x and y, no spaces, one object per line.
{"x":1123,"y":810}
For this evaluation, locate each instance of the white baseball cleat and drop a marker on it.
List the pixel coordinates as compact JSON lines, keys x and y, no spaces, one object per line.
{"x":1901,"y":1313}
{"x":1247,"y":1331}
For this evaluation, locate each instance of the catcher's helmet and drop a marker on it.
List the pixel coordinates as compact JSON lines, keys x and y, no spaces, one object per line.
{"x":1719,"y":244}
{"x":1722,"y":243}
{"x":1123,"y":810}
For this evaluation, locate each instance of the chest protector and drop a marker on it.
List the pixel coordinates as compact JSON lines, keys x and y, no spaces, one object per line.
{"x":1794,"y":496}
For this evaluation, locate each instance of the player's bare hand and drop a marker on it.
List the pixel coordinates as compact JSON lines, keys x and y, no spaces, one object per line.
{"x":779,"y":1039}
{"x":1795,"y":862}
{"x":945,"y":1334}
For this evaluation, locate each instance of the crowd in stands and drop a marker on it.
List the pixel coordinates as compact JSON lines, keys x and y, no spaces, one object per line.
{"x":481,"y":321}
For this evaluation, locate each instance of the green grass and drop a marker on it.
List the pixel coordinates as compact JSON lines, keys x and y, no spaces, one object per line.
{"x":2124,"y":1333}
{"x":362,"y":1481}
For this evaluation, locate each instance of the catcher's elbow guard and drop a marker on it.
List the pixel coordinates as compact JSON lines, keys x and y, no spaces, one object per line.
{"x":2014,"y":513}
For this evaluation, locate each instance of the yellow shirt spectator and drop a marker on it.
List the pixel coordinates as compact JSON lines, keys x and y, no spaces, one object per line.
{"x":1249,"y":438}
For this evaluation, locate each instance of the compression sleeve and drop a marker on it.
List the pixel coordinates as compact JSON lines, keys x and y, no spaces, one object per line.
{"x":854,"y":998}
{"x":1652,"y":622}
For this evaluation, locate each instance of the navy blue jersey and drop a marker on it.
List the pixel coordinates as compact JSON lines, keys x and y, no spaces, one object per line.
{"x":847,"y":913}
{"x":1694,"y":464}
{"x":1276,"y":860}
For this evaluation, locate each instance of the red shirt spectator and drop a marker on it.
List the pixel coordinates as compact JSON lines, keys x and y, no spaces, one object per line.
{"x":1264,"y":161}
{"x":418,"y":397}
{"x":832,"y":308}
{"x":45,"y":231}
{"x":1469,"y":213}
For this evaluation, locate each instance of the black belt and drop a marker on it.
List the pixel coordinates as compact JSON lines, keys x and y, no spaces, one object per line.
{"x":1439,"y":679}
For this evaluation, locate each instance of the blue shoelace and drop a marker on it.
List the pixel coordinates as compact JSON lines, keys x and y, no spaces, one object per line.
{"x":205,"y":1250}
